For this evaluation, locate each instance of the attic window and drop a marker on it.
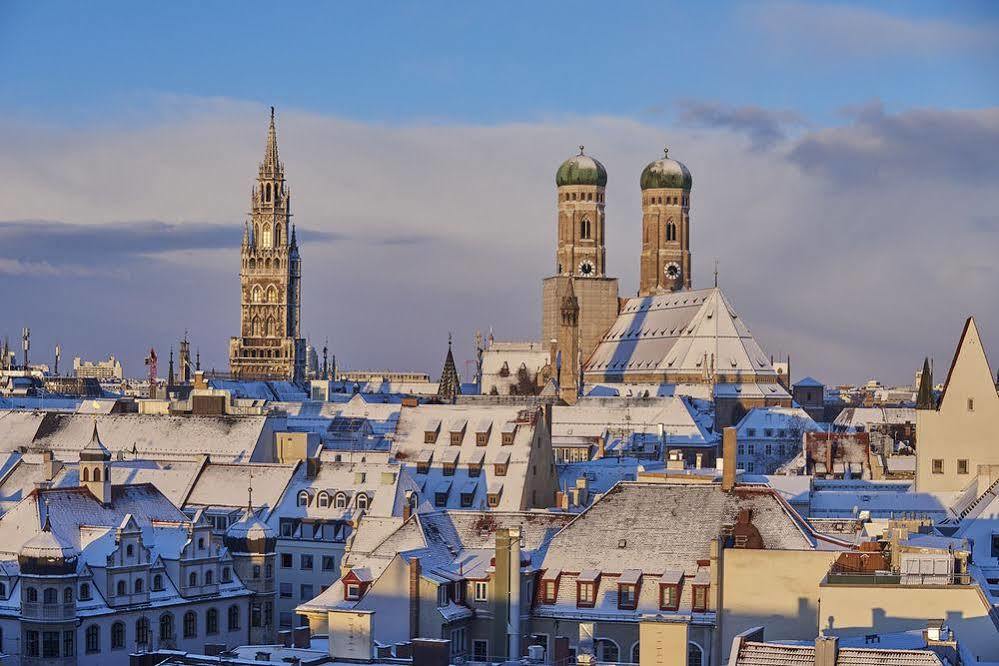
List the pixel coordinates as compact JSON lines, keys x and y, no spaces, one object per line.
{"x":482,"y":433}
{"x":700,"y":602}
{"x":430,"y":432}
{"x":458,"y":432}
{"x":586,"y":588}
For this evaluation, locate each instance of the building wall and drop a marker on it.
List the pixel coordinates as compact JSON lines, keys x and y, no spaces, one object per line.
{"x":853,"y":610}
{"x":598,"y":307}
{"x":315,"y":580}
{"x":778,"y":589}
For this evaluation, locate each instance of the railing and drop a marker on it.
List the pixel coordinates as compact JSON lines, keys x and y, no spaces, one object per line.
{"x":893,"y":578}
{"x":43,"y":611}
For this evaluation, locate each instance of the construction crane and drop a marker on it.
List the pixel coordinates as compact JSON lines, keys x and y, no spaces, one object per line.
{"x":151,"y":362}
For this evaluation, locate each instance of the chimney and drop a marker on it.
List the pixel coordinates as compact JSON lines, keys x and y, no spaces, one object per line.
{"x":601,"y":448}
{"x":826,"y":650}
{"x":728,"y":459}
{"x":414,"y":597}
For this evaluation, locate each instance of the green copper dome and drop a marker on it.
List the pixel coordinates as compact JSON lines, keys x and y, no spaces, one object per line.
{"x":666,"y":173}
{"x":581,"y":170}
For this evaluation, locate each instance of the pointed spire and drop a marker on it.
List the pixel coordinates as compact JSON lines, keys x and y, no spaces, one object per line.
{"x":450,"y":384}
{"x":197,"y":362}
{"x":294,"y":237}
{"x":924,"y":396}
{"x":170,"y":377}
{"x":95,"y":448}
{"x":272,"y":164}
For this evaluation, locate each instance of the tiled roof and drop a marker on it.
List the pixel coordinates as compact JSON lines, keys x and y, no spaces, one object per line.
{"x":776,"y":654}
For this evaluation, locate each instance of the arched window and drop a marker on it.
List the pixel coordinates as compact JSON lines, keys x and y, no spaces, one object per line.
{"x":258,"y":293}
{"x":272,"y":295}
{"x":93,"y":639}
{"x":166,"y":627}
{"x":233,"y":618}
{"x":117,"y":635}
{"x":67,"y":595}
{"x":86,"y":474}
{"x":97,"y":474}
{"x":584,"y":228}
{"x":253,"y":263}
{"x":120,"y":588}
{"x":323,"y":500}
{"x":50,"y":596}
{"x":190,"y":624}
{"x":303,"y":498}
{"x":277,"y":238}
{"x":362,"y":501}
{"x":142,"y":631}
{"x":670,"y":231}
{"x":635,"y":653}
{"x":606,"y":649}
{"x":31,"y":595}
{"x":270,"y":327}
{"x":265,"y":237}
{"x":138,"y":586}
{"x":130,"y":550}
{"x":340,"y":501}
{"x":192,"y":580}
{"x":158,"y":582}
{"x":201,"y":543}
{"x":84,"y":591}
{"x":212,"y":621}
{"x":256,"y":571}
{"x":267,"y":263}
{"x":267,"y":192}
{"x":209,"y":577}
{"x":226,"y":575}
{"x":695,"y":655}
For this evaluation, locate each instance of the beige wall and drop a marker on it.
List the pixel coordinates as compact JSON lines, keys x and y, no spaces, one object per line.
{"x":778,"y":589}
{"x":953,"y":431}
{"x":853,"y":610}
{"x":662,"y":643}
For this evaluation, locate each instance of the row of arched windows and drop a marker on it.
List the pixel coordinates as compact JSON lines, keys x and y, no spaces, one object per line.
{"x":271,"y":295}
{"x":264,"y":353}
{"x":167,"y":629}
{"x":192,"y":578}
{"x":265,"y":264}
{"x":337,"y":500}
{"x":683,"y":200}
{"x":266,"y":192}
{"x":50,"y":595}
{"x":583,"y":196}
{"x":266,"y":327}
{"x":607,"y":650}
{"x":85,"y":474}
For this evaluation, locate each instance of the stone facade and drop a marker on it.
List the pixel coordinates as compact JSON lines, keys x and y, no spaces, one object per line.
{"x":665,"y":263}
{"x":270,"y":345}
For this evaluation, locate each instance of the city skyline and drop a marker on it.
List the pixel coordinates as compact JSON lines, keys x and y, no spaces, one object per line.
{"x":822,"y":245}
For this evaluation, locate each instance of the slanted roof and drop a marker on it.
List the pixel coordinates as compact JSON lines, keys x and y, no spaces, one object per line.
{"x":753,"y":653}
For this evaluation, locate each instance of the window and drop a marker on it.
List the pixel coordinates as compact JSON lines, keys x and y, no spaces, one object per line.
{"x":340,"y":501}
{"x":669,"y":597}
{"x":67,"y":595}
{"x":118,"y":636}
{"x":286,"y":561}
{"x":742,"y":449}
{"x":448,"y":468}
{"x":303,"y":498}
{"x":584,"y":228}
{"x":499,"y":469}
{"x":962,"y":466}
{"x":362,"y":501}
{"x":440,"y":499}
{"x":971,"y":404}
{"x":142,"y":633}
{"x":606,"y":649}
{"x":120,"y":588}
{"x":353,"y":591}
{"x":209,"y":577}
{"x":549,"y":588}
{"x":492,"y":499}
{"x":192,"y":579}
{"x":586,"y":594}
{"x":166,"y":627}
{"x":635,"y":653}
{"x":329,"y":563}
{"x":459,"y":638}
{"x":750,"y":467}
{"x":480,"y":650}
{"x":233,"y":618}
{"x":474,"y":470}
{"x":507,"y":439}
{"x":68,"y":641}
{"x":227,"y":574}
{"x":93,"y":639}
{"x":938,"y":466}
{"x":190,"y":624}
{"x":31,"y":595}
{"x":695,"y":655}
{"x":768,"y":449}
{"x":129,"y":550}
{"x":627,"y":597}
{"x":84,"y":592}
{"x":750,"y":432}
{"x":286,"y":590}
{"x":305,"y":562}
{"x":138,"y":586}
{"x":751,"y":449}
{"x":50,"y":595}
{"x":700,"y":603}
{"x":481,"y":590}
{"x":466,"y":499}
{"x":157,"y":582}
{"x":255,"y":615}
{"x":31,"y":643}
{"x":305,"y":593}
{"x":212,"y":621}
{"x":324,"y":499}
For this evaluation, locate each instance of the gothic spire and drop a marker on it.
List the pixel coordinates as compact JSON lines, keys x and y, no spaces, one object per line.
{"x":450,"y":385}
{"x":271,"y":166}
{"x":170,"y":376}
{"x":924,"y":397}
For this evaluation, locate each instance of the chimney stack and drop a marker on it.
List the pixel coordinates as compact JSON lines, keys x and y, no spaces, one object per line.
{"x":728,"y":459}
{"x":414,"y":597}
{"x":826,"y":650}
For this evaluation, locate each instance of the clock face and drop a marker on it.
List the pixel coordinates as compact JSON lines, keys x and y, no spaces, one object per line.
{"x":672,"y":270}
{"x":586,"y":268}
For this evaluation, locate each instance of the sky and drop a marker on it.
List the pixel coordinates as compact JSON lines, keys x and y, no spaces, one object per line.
{"x":843,"y":156}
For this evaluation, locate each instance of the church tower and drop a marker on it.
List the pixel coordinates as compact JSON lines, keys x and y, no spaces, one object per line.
{"x":270,"y":345}
{"x":579,"y":302}
{"x":665,"y":263}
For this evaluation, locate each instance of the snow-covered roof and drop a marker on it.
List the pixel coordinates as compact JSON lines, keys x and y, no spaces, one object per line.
{"x":752,"y":653}
{"x":227,"y":484}
{"x":865,"y":417}
{"x":792,"y":421}
{"x":809,"y":382}
{"x":677,"y":419}
{"x":680,"y":336}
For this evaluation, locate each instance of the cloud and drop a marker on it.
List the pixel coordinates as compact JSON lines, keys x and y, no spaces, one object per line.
{"x":923,"y":145}
{"x":409,"y":232}
{"x":848,"y":31}
{"x":764,"y":127}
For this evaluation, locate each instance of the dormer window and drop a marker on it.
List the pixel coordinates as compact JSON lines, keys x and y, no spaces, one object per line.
{"x":458,"y":432}
{"x":509,"y":431}
{"x":323,"y":499}
{"x":423,"y":460}
{"x":669,"y":590}
{"x":482,"y":433}
{"x":700,"y":602}
{"x":303,"y":498}
{"x":355,"y":583}
{"x":352,"y":591}
{"x":340,"y":501}
{"x":586,"y":588}
{"x":549,"y":585}
{"x":361,"y":501}
{"x":627,"y":589}
{"x":493,"y":494}
{"x":157,"y":583}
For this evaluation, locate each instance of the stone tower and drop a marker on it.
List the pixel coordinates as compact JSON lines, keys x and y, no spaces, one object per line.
{"x":253,"y":545}
{"x":665,"y":263}
{"x":568,"y":359}
{"x":270,"y":345}
{"x":580,"y":262}
{"x":95,"y":468}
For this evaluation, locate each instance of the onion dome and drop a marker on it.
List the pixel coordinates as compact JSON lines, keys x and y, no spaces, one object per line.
{"x":249,"y":534}
{"x":95,"y":451}
{"x":45,"y":554}
{"x":581,"y":170}
{"x":666,"y":173}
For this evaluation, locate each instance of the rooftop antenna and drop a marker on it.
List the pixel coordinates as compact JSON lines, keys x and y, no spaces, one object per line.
{"x":26,"y":344}
{"x":249,"y":495}
{"x":716,"y":273}
{"x":58,"y":355}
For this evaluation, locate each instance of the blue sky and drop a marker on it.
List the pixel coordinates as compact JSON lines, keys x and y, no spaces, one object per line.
{"x":843,"y":161}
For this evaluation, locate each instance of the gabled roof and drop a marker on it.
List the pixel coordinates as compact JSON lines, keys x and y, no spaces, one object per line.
{"x":970,"y":358}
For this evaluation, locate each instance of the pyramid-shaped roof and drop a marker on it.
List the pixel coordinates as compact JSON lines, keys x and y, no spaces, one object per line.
{"x":684,"y":336}
{"x":95,"y":449}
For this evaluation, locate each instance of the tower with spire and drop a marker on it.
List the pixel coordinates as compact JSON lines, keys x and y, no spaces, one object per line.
{"x":450,"y":385}
{"x":270,"y":344}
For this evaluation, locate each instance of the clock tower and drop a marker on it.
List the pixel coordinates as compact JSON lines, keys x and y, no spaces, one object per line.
{"x":665,"y":264}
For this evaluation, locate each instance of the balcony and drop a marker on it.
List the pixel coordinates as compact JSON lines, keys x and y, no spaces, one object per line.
{"x":893,"y":578}
{"x":43,"y":611}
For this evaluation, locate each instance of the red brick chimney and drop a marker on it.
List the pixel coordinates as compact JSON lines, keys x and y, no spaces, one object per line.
{"x":728,"y":459}
{"x":414,"y":597}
